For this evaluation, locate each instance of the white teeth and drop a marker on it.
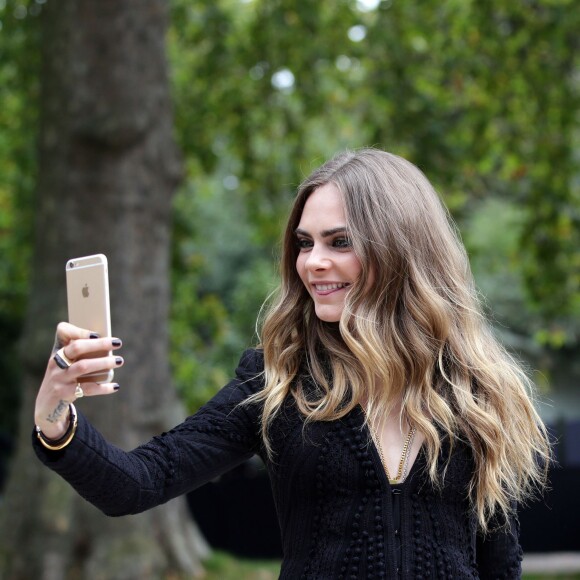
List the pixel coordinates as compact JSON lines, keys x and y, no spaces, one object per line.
{"x":325,"y":287}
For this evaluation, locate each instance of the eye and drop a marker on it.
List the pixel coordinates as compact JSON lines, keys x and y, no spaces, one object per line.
{"x":342,"y":243}
{"x":303,"y":243}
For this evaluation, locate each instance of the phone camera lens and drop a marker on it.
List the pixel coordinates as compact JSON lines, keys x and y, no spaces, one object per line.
{"x":71,"y":264}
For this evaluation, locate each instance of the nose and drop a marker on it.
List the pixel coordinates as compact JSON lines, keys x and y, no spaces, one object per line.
{"x":317,"y":259}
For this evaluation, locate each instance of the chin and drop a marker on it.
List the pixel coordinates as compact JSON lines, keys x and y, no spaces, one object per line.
{"x":328,"y":315}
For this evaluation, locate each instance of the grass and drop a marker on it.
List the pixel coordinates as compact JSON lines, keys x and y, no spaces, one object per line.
{"x":222,"y":566}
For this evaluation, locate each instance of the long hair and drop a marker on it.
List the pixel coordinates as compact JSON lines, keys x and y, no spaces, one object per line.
{"x":412,"y":329}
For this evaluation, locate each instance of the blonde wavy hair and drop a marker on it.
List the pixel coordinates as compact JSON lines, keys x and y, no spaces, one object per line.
{"x":412,"y":330}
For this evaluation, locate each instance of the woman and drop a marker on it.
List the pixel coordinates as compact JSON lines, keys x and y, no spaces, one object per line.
{"x":398,"y":435}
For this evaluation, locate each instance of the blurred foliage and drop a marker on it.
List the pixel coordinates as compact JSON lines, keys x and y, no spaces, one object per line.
{"x":19,"y":95}
{"x":482,"y":96}
{"x":220,"y":277}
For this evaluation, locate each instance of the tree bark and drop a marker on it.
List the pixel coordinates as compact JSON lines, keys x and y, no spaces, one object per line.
{"x":108,"y":166}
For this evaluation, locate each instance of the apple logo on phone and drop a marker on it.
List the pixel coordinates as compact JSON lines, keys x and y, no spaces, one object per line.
{"x":85,"y":291}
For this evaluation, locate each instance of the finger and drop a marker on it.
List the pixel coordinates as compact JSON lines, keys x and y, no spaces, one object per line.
{"x":97,"y":389}
{"x":66,"y":332}
{"x":81,"y":348}
{"x":88,"y":366}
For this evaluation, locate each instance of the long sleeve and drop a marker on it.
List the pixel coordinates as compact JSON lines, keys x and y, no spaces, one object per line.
{"x":221,"y":435}
{"x":499,"y":554}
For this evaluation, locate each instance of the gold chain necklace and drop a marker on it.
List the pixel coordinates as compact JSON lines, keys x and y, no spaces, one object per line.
{"x":404,"y":461}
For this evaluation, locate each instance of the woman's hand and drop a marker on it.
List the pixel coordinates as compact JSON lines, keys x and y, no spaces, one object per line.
{"x":59,"y":384}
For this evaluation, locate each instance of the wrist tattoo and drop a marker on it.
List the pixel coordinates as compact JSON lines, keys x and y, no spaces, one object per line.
{"x":55,"y":415}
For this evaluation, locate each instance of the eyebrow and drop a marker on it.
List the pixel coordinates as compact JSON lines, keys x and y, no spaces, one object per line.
{"x":323,"y":233}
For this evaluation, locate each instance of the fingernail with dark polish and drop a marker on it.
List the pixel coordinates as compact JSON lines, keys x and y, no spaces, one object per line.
{"x":93,"y":335}
{"x":119,"y":360}
{"x":116,"y":342}
{"x":116,"y":387}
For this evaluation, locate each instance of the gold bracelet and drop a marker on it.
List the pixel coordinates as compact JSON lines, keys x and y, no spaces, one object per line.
{"x":58,"y":444}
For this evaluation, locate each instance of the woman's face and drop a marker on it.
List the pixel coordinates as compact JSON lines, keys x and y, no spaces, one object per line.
{"x":326,"y":263}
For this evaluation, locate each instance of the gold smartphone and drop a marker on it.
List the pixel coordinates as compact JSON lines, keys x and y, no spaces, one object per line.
{"x":87,"y":286}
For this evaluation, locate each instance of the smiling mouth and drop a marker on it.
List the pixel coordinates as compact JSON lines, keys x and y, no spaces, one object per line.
{"x":329,"y":287}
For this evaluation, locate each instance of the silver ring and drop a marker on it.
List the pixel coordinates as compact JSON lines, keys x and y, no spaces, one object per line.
{"x":79,"y":393}
{"x":61,"y":359}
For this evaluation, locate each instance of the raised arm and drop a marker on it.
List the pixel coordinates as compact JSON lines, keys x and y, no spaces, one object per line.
{"x":220,"y":436}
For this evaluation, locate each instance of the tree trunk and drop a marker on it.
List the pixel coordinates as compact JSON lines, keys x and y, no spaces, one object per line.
{"x":108,"y":167}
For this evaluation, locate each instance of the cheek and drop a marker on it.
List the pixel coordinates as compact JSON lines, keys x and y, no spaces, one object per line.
{"x":354,"y":267}
{"x":370,"y":279}
{"x":300,"y":268}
